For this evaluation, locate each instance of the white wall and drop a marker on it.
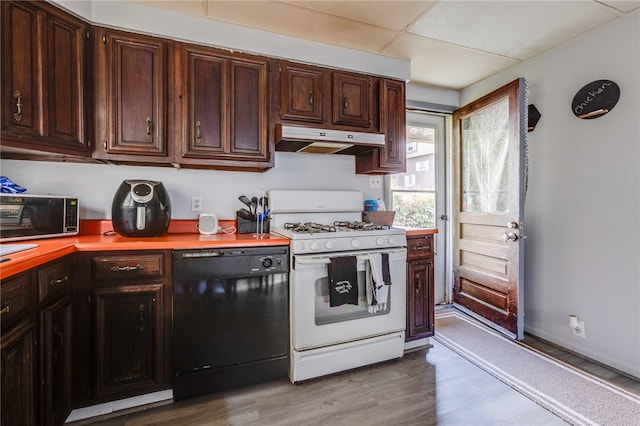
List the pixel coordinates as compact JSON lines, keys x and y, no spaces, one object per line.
{"x":582,"y":210}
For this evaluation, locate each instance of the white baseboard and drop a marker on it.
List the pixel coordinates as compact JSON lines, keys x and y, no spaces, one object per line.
{"x":121,"y":404}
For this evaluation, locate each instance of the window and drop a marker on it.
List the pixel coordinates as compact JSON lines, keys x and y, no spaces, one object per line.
{"x":413,"y":194}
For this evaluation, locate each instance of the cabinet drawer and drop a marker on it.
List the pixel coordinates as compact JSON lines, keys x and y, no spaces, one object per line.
{"x":54,"y":279}
{"x":419,"y":247}
{"x":15,"y":305}
{"x":127,"y":266}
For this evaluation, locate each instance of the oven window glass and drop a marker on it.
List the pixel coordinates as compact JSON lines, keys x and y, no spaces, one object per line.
{"x":326,"y":314}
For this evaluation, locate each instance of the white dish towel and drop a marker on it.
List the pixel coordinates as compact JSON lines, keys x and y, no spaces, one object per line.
{"x":377,"y":290}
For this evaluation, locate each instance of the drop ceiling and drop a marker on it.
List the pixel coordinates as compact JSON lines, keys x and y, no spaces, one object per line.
{"x":451,"y":44}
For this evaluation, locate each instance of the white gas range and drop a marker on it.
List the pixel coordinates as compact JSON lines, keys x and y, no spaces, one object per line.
{"x":347,"y":282}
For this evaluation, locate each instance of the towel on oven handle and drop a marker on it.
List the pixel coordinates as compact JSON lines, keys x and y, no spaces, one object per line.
{"x":378,"y":280}
{"x":343,"y":281}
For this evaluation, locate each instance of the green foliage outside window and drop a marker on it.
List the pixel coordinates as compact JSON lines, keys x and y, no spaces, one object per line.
{"x":414,"y":209}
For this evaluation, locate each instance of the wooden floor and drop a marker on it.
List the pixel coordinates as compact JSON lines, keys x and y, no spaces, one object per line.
{"x":434,"y":387}
{"x":426,"y":387}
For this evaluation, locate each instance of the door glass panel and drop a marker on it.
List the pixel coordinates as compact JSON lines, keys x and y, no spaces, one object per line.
{"x":485,"y":157}
{"x":413,"y":194}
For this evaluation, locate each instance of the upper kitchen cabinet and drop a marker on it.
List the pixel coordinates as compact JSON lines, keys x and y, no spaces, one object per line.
{"x":133,"y":97}
{"x":302,"y":92}
{"x":320,"y":97}
{"x":45,"y":80}
{"x":391,"y":158}
{"x":223,"y":110}
{"x":352,"y":100}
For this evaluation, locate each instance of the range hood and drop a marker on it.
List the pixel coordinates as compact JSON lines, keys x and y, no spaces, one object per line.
{"x":325,"y":141}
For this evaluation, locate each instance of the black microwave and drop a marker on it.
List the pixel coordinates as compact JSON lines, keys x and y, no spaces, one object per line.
{"x":27,"y":217}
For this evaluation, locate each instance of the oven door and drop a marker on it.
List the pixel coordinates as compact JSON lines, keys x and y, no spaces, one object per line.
{"x":314,"y":323}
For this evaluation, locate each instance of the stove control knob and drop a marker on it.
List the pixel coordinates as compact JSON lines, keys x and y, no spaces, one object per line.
{"x":328,"y":244}
{"x":392,"y":241}
{"x":379,"y":241}
{"x":355,"y":243}
{"x":314,"y":245}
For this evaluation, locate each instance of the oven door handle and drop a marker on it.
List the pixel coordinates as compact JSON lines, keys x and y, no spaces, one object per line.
{"x":316,"y":261}
{"x":362,"y":256}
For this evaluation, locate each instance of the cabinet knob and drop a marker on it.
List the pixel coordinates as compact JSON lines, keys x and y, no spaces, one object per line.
{"x":198,"y":131}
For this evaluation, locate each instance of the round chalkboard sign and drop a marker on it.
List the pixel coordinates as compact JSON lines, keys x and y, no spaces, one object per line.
{"x":595,"y":99}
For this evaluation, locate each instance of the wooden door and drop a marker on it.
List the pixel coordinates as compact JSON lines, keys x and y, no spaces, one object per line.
{"x":393,"y":123}
{"x":129,"y":340}
{"x":301,"y":92}
{"x":205,"y":113}
{"x":132,"y":96}
{"x":65,"y":82}
{"x":17,"y":377}
{"x":352,"y":99}
{"x":249,"y":126}
{"x":21,"y":87}
{"x":488,"y":205}
{"x":224,"y":110}
{"x":55,"y":355}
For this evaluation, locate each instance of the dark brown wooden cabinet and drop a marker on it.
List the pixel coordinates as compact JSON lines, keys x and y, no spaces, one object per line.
{"x":133,"y":97}
{"x":17,"y":352}
{"x":420,"y":305}
{"x":352,"y":96}
{"x":391,"y":158}
{"x":45,"y":81}
{"x":325,"y":98}
{"x":302,"y":92}
{"x":223,"y":110}
{"x":55,"y":283}
{"x":129,"y":296}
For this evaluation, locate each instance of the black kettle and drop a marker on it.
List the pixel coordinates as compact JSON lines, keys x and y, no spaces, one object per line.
{"x":141,"y":208}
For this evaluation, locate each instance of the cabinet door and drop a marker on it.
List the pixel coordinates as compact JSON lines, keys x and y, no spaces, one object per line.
{"x":129,"y":339}
{"x":55,"y":362}
{"x":17,"y":377}
{"x":301,"y":92}
{"x":352,"y":99}
{"x":224,"y":114}
{"x":420,"y":312}
{"x":65,"y":81}
{"x":21,"y":88}
{"x":391,"y":158}
{"x":131,"y":95}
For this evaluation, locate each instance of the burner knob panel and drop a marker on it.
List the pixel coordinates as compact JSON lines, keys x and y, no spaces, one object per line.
{"x":355,"y":243}
{"x":328,"y":244}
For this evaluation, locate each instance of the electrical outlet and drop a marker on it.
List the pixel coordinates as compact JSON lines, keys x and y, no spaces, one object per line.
{"x":375,"y":181}
{"x":579,"y":330}
{"x":196,"y":203}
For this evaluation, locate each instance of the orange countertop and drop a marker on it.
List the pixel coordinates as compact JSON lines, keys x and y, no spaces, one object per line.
{"x":182,"y":235}
{"x":412,"y":232}
{"x":54,"y":248}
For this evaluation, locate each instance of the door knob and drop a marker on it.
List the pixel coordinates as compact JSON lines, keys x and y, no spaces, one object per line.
{"x":510,"y":236}
{"x":512,"y":225}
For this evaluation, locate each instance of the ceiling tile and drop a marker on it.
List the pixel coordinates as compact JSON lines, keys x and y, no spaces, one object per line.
{"x":294,"y":21}
{"x":393,"y":15}
{"x":518,"y":29}
{"x":445,"y":65}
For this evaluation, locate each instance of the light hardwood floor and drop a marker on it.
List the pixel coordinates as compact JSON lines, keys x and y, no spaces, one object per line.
{"x":426,"y":387}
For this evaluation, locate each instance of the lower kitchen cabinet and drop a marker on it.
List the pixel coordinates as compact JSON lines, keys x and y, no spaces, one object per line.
{"x":17,"y":350}
{"x":128,"y":336}
{"x":55,"y":283}
{"x":420,"y":306}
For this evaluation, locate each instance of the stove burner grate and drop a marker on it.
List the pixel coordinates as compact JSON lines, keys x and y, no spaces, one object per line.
{"x":309,"y":227}
{"x":361,"y":226}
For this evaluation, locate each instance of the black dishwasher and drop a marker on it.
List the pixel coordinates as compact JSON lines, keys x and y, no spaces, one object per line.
{"x":230,"y":318}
